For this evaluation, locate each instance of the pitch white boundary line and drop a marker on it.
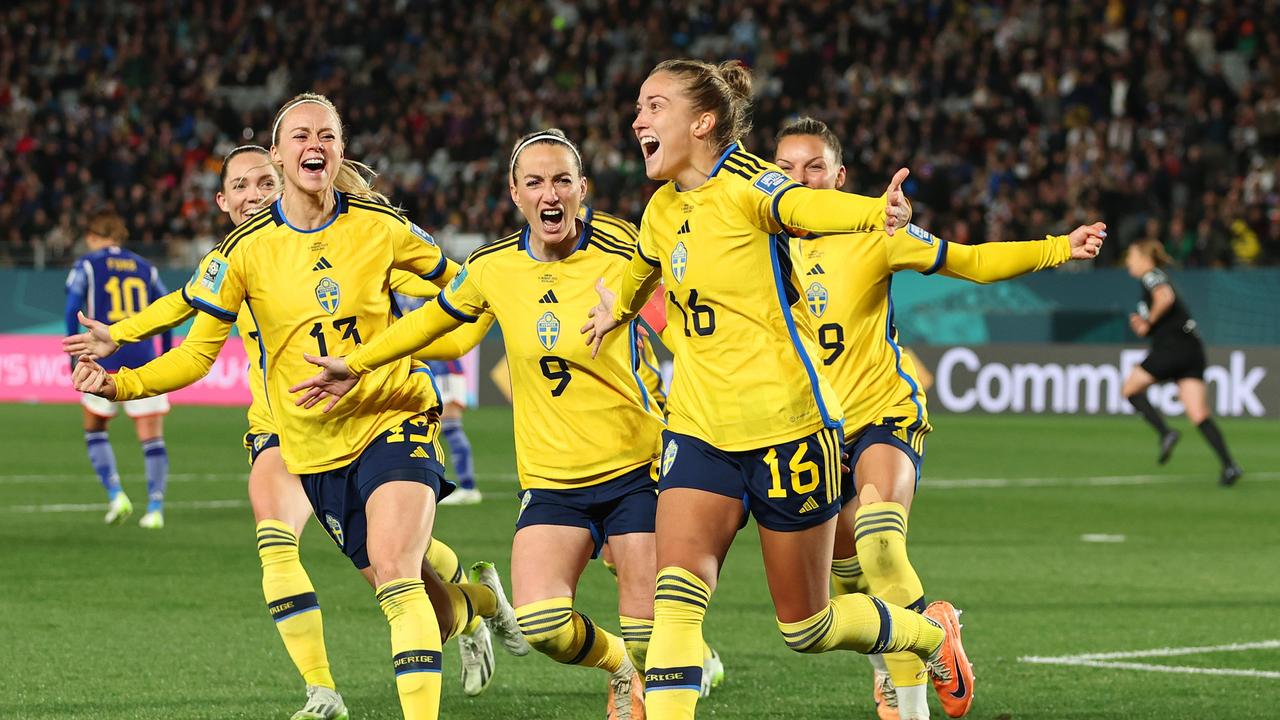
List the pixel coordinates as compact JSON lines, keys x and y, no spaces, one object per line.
{"x":100,"y":507}
{"x":1109,"y":660}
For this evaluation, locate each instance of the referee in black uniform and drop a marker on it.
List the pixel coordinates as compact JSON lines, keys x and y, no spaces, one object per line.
{"x":1176,"y":355}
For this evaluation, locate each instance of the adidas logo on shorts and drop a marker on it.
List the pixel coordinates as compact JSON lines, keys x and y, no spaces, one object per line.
{"x":809,"y":505}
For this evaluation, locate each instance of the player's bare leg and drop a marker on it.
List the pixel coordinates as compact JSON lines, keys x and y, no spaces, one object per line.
{"x":400,"y":516}
{"x":1191,"y":392}
{"x":280,"y":511}
{"x":546,"y":563}
{"x":1135,"y":391}
{"x":695,"y":529}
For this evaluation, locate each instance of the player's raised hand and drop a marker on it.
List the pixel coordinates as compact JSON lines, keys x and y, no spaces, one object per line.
{"x":95,"y":341}
{"x":1086,"y":241}
{"x":333,"y":381}
{"x":897,"y":209}
{"x":601,"y":322}
{"x":90,"y":377}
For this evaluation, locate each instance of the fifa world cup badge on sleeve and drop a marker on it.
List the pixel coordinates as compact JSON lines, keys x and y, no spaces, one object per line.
{"x":770,"y":182}
{"x":920,"y":233}
{"x":548,"y":330}
{"x":214,"y":273}
{"x":329,"y":295}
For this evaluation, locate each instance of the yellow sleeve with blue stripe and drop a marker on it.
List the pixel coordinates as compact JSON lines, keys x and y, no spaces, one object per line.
{"x":639,"y":277}
{"x":918,"y":249}
{"x":457,"y":343}
{"x":178,"y":368}
{"x":218,"y":286}
{"x":776,"y":202}
{"x":415,"y":251}
{"x":166,"y":313}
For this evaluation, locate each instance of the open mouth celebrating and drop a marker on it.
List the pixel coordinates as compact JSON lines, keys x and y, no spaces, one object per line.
{"x":649,"y":145}
{"x":313,"y":166}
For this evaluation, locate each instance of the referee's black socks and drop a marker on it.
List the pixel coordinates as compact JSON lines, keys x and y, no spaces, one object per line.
{"x":1140,"y":403}
{"x":1209,"y":429}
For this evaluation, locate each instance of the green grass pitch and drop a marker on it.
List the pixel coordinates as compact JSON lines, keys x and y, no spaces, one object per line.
{"x":99,"y":622}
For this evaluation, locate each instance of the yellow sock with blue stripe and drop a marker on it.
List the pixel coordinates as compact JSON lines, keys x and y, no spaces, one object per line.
{"x":847,"y":576}
{"x":673,"y":674}
{"x":556,"y":630}
{"x":415,"y":646}
{"x":880,"y":533}
{"x":445,"y":562}
{"x":863,"y":624}
{"x":291,"y":601}
{"x":636,"y":633}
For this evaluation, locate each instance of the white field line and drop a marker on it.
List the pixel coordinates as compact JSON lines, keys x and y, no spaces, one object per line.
{"x":101,"y":507}
{"x":1111,"y":660}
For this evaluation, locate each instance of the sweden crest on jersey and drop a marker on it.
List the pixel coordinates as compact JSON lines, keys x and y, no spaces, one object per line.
{"x":335,"y":527}
{"x":548,"y":330}
{"x":816,"y":296}
{"x":328,"y":294}
{"x":669,"y":456}
{"x":679,"y":261}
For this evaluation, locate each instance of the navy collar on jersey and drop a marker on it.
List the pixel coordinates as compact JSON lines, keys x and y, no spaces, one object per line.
{"x":733,"y":147}
{"x":340,"y":207}
{"x":582,"y":239}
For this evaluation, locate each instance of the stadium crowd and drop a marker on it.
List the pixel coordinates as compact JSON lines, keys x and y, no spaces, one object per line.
{"x":1015,"y":117}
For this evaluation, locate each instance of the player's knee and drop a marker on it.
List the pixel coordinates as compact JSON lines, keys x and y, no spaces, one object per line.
{"x":548,"y":627}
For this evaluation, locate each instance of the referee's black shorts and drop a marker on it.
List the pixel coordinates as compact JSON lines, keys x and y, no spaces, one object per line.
{"x":1178,"y":358}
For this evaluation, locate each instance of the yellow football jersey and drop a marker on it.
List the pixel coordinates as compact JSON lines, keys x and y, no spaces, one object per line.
{"x":846,"y":283}
{"x":194,"y":356}
{"x":578,"y":420}
{"x":745,"y":372}
{"x":322,"y":292}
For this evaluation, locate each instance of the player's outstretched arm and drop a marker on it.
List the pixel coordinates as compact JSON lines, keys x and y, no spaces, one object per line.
{"x":95,"y":340}
{"x":807,"y":212}
{"x":168,"y":312}
{"x":182,"y":366}
{"x":457,"y":343}
{"x":639,"y":278}
{"x":993,"y":262}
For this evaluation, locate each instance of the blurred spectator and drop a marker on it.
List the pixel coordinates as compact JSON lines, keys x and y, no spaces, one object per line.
{"x":1017,"y":117}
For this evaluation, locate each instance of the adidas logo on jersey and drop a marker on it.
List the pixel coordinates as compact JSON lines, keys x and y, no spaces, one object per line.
{"x":809,"y":505}
{"x":549,"y":297}
{"x":420,"y":452}
{"x":684,"y":229}
{"x":322,"y":264}
{"x":817,"y":270}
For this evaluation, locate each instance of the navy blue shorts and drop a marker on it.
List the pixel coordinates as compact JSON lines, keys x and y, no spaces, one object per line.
{"x":794,"y":485}
{"x":625,"y":504}
{"x":908,"y":440}
{"x":256,"y":444}
{"x":409,"y":451}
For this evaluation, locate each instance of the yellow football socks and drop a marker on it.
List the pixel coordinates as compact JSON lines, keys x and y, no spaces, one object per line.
{"x":673,"y":674}
{"x":415,"y":646}
{"x":880,"y":532}
{"x":864,"y":624}
{"x":847,"y":577}
{"x":636,"y":633}
{"x":291,"y":601}
{"x":554,"y":629}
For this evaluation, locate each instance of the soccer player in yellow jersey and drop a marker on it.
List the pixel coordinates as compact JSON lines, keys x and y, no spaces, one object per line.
{"x":749,"y":417}
{"x":279,"y":504}
{"x":587,"y":434}
{"x":846,"y":280}
{"x":312,"y":272}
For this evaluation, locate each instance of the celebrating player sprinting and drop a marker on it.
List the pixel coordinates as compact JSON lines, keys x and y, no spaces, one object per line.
{"x":846,"y":282}
{"x":279,"y":504}
{"x":1176,"y":354}
{"x":587,"y":434}
{"x":748,"y":414}
{"x":371,"y":471}
{"x":106,"y":286}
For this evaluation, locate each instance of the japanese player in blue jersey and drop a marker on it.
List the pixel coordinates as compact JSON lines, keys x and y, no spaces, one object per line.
{"x":107,"y":285}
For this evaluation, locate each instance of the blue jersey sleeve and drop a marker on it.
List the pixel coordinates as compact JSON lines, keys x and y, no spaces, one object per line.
{"x":77,"y":288}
